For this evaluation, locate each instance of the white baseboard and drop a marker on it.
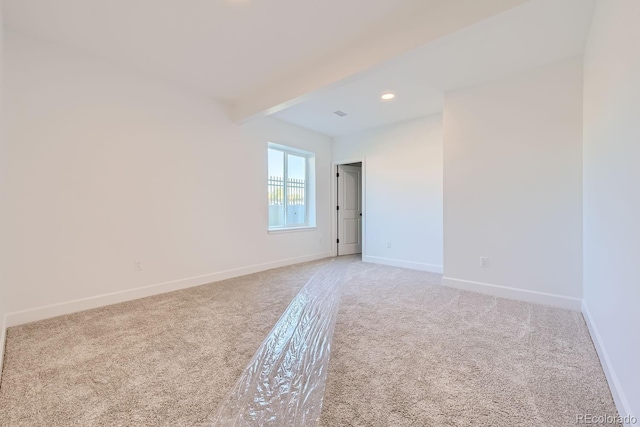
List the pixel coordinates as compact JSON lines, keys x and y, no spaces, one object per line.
{"x":525,"y":295}
{"x":3,"y":338}
{"x":404,"y":264}
{"x":619,"y":398}
{"x":53,"y":310}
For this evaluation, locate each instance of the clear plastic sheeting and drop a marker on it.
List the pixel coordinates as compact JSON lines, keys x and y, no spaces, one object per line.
{"x":284,"y":383}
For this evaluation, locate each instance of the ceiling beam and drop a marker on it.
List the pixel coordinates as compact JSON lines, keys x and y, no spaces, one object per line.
{"x":435,"y":20}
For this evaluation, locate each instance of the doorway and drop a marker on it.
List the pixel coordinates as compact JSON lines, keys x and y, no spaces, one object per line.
{"x":349,"y":208}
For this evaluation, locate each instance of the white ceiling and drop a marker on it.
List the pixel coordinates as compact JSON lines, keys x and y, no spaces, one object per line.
{"x":221,"y":47}
{"x":231,"y":49}
{"x":532,"y":34}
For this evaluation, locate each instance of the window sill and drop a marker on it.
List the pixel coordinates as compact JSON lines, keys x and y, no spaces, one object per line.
{"x":291,"y":229}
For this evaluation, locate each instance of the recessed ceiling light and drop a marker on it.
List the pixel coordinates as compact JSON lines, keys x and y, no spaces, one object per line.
{"x":387,"y":96}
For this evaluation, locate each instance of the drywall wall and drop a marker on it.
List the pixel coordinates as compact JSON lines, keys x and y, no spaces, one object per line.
{"x":109,"y":168}
{"x":403,"y":191}
{"x":3,"y":219}
{"x":513,"y":186}
{"x":612,"y":197}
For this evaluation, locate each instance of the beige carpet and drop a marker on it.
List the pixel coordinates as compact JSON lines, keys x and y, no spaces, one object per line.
{"x":405,"y":352}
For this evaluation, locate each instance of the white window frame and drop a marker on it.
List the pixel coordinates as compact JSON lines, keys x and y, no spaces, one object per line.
{"x":309,"y":190}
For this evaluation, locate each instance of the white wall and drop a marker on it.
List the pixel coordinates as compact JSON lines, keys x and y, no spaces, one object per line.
{"x":108,"y":168}
{"x":403,"y":191}
{"x":513,"y":186}
{"x":612,"y":195}
{"x":3,"y":204}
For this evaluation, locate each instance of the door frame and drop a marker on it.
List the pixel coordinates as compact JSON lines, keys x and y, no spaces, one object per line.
{"x":334,"y":203}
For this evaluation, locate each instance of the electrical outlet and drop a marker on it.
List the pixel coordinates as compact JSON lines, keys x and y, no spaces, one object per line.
{"x":388,"y":244}
{"x":484,"y":262}
{"x":320,"y":241}
{"x":137,"y":266}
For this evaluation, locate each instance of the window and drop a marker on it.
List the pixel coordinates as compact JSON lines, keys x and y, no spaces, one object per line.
{"x":291,"y":193}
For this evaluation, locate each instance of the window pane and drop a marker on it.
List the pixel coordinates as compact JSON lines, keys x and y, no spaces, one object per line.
{"x":296,"y":189}
{"x":276,"y":188}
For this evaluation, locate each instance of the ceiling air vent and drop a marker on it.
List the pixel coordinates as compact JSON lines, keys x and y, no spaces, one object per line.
{"x":340,"y":113}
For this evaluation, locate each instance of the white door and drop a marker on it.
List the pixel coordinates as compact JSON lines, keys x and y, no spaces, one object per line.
{"x":349,"y":210}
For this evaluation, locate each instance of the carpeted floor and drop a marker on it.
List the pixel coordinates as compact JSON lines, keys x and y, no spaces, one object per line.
{"x":405,"y":352}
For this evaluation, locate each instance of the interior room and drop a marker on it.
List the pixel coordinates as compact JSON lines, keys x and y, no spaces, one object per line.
{"x":335,"y":213}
